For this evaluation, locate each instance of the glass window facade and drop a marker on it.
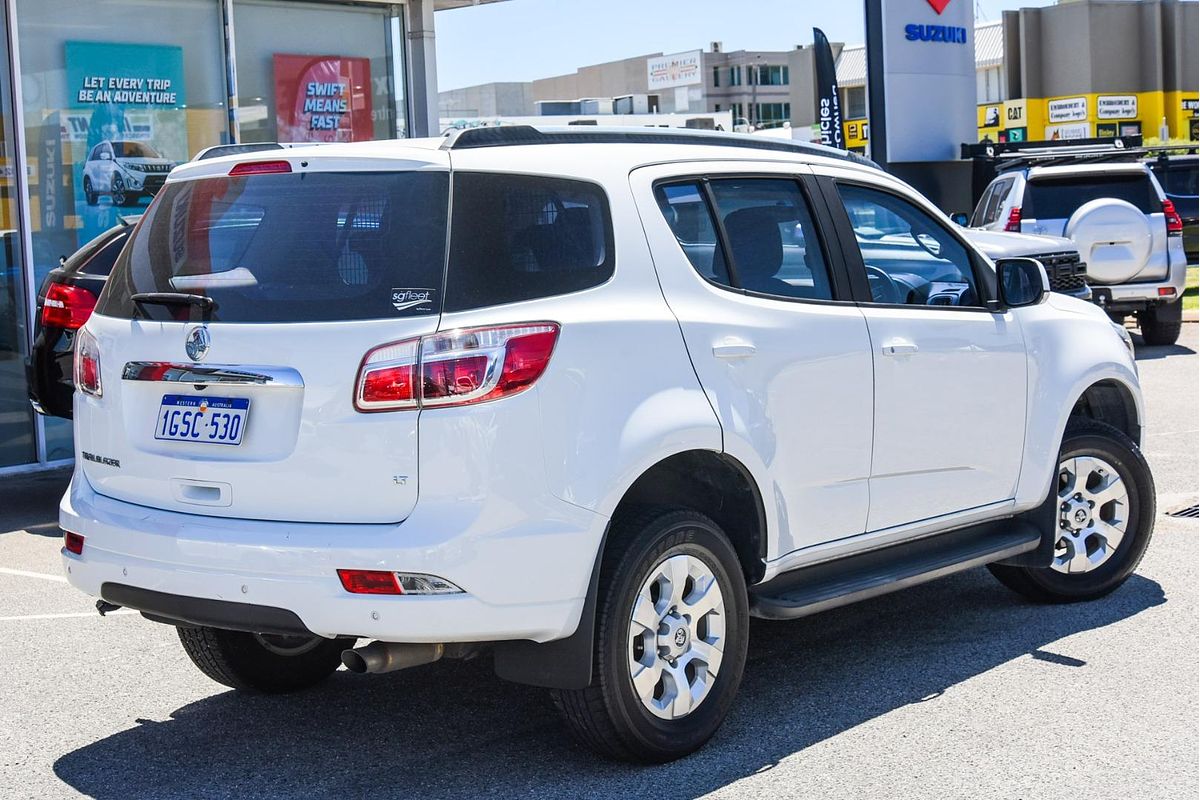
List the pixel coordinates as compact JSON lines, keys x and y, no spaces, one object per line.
{"x":111,"y":102}
{"x":113,"y":94}
{"x":314,"y":72}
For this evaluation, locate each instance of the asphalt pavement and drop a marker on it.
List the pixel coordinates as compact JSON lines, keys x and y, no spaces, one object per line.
{"x":955,"y":689}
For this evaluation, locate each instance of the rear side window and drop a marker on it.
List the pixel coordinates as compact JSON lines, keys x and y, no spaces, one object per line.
{"x":1178,"y":177}
{"x":1058,"y":198}
{"x":102,"y":262}
{"x":98,"y":255}
{"x":522,"y":237}
{"x":301,"y":247}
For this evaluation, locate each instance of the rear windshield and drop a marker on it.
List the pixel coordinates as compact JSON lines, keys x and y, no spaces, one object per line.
{"x":1058,"y":198}
{"x":308,"y":247}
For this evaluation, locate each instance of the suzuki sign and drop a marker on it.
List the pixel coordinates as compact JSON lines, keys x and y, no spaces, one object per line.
{"x":926,"y":49}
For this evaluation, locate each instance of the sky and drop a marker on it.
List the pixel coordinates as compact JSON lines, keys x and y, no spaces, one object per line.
{"x":520,"y":40}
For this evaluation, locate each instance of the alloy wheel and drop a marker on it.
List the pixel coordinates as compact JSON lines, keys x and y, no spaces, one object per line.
{"x":676,"y":636}
{"x":1093,"y":514}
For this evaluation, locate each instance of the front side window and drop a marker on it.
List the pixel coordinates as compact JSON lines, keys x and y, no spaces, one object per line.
{"x":769,"y":235}
{"x":522,"y":237}
{"x":910,"y":258}
{"x":687,"y":212}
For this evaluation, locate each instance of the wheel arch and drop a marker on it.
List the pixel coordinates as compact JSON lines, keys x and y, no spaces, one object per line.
{"x":694,"y":479}
{"x":716,"y":485}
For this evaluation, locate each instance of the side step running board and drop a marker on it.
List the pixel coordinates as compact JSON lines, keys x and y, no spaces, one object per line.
{"x":808,"y":590}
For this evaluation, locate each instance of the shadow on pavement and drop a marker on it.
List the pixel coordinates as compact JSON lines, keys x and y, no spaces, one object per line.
{"x":1145,"y":352}
{"x":455,"y":730}
{"x":30,"y":502}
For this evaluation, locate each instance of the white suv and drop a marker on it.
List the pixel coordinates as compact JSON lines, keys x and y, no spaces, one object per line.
{"x":1127,"y":230}
{"x":584,"y":400}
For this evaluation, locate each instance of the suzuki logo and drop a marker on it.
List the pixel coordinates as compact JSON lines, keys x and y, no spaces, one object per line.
{"x":939,"y":5}
{"x":197,"y":343}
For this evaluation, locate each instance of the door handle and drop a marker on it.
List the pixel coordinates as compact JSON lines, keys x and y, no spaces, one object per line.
{"x":734,"y":349}
{"x":899,"y":347}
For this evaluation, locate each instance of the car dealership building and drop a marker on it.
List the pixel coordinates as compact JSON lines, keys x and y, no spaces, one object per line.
{"x":83,"y":85}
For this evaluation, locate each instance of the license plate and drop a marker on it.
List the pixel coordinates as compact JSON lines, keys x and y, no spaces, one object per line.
{"x":208,"y":420}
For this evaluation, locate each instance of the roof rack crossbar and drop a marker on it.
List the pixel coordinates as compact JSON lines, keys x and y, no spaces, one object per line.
{"x":515,"y":135}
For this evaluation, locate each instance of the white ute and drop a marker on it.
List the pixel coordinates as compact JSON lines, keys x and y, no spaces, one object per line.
{"x":582,"y":400}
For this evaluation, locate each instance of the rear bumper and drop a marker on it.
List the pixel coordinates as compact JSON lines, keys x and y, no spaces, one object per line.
{"x":523,"y":579}
{"x":1131,"y":297}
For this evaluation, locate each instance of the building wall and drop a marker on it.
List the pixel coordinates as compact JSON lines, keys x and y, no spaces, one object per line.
{"x":508,"y":99}
{"x":1094,"y":51}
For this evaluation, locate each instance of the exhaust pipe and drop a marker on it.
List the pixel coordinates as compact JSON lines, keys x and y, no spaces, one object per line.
{"x":390,"y":656}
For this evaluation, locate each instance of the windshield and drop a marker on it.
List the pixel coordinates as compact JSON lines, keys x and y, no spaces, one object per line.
{"x":306,"y":247}
{"x":134,"y":150}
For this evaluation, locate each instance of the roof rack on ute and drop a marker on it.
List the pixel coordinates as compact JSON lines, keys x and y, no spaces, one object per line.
{"x":1014,"y":155}
{"x":514,"y":135}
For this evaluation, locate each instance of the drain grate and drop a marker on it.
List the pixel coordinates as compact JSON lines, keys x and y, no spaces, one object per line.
{"x":1192,"y":512}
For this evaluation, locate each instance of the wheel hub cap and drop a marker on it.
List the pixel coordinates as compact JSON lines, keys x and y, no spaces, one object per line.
{"x":676,"y":636}
{"x":1093,"y":514}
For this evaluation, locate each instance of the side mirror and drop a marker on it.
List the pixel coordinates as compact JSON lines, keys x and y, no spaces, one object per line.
{"x":106,"y":156}
{"x":960,"y":219}
{"x":1022,"y":282}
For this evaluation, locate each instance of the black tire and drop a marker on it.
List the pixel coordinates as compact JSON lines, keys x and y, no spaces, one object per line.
{"x":1161,"y":325}
{"x":608,"y":716}
{"x":1046,"y":585}
{"x":246,"y":661}
{"x":89,"y":193}
{"x":117,"y":191}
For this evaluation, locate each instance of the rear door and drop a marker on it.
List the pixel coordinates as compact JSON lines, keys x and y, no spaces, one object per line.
{"x":247,"y":409}
{"x":781,"y":351}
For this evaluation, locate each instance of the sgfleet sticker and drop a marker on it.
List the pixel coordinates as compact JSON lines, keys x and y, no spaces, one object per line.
{"x":413,"y":301}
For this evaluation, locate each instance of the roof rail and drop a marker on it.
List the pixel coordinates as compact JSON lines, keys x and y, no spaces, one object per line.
{"x":514,"y":135}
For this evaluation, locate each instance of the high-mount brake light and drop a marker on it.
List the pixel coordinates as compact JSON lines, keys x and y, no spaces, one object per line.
{"x":67,"y":306}
{"x":260,"y":168}
{"x":1014,"y":220}
{"x":1174,"y":221}
{"x":454,"y":368}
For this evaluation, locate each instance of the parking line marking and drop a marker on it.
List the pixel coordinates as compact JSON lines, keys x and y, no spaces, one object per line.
{"x":20,"y":573}
{"x":27,"y":617}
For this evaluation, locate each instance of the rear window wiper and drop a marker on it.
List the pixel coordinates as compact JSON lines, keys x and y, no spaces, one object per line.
{"x":174,"y":299}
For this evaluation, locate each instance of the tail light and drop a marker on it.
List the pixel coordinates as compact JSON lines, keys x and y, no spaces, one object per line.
{"x":87,"y":364}
{"x":73,"y":543}
{"x":1014,"y":220}
{"x":67,"y":306}
{"x":472,"y":365}
{"x":1174,"y":221}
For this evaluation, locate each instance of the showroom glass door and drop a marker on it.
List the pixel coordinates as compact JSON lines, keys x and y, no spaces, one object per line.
{"x":17,"y":440}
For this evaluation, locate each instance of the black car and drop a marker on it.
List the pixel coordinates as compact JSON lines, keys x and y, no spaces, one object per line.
{"x":65,"y":301}
{"x":1178,"y":176}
